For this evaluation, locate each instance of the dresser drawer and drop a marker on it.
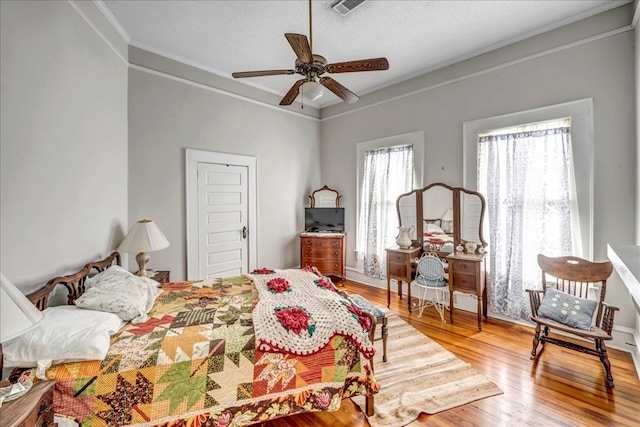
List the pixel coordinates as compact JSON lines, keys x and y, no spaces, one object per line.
{"x":464,"y":282}
{"x":328,"y":267}
{"x":397,"y":258}
{"x":463,"y":267}
{"x":325,"y":242}
{"x":321,"y":252}
{"x":398,"y":270}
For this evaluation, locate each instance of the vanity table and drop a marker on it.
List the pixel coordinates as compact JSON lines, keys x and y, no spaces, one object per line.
{"x":443,"y":216}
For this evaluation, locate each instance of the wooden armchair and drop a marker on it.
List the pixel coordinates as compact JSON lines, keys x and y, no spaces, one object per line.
{"x":573,"y":313}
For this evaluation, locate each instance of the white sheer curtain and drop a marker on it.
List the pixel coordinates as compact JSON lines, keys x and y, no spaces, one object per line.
{"x":388,"y":172}
{"x":526,"y":176}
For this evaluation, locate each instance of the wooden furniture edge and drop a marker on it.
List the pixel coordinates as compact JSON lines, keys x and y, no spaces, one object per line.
{"x":75,"y":282}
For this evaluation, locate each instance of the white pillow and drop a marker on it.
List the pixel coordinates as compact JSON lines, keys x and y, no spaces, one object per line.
{"x":118,"y":291}
{"x":433,"y":228}
{"x":67,"y":334}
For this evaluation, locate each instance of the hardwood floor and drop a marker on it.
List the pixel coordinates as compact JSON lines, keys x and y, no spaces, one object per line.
{"x":562,"y":388}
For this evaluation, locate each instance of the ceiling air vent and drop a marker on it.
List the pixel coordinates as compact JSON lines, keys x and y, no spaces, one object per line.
{"x":343,"y":7}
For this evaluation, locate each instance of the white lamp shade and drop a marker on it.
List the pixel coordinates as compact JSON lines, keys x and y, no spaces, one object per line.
{"x":144,"y":236}
{"x":448,"y":215}
{"x":17,"y":313}
{"x":312,"y":91}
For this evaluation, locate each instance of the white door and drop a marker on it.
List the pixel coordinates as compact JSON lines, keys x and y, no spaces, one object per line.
{"x":222,"y":220}
{"x":221,"y":214}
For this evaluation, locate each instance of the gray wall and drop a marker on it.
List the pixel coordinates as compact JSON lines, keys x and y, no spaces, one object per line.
{"x":562,"y":66}
{"x":71,"y":182}
{"x":167,"y":115}
{"x":63,"y":142}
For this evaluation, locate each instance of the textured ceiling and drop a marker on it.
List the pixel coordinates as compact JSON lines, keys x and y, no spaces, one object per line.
{"x":415,"y":36}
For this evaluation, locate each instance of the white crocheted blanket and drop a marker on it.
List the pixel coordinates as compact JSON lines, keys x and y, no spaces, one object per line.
{"x":298,"y":313}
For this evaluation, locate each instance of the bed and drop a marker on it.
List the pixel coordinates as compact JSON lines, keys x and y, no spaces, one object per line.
{"x":435,"y":238}
{"x":231,"y":351}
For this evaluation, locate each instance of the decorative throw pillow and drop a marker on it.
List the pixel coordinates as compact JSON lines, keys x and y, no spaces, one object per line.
{"x":567,"y":309}
{"x":118,"y":291}
{"x":66,"y":334}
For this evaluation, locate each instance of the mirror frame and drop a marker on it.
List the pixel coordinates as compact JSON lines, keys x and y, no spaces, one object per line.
{"x":417,"y":241}
{"x":312,"y":197}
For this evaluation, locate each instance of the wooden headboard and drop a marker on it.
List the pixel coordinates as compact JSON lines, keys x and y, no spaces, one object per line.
{"x":75,"y":283}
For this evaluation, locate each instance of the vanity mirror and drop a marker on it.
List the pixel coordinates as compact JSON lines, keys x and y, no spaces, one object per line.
{"x":325,"y":197}
{"x":442,"y":216}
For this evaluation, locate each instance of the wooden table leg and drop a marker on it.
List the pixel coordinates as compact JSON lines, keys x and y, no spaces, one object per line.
{"x":484,"y":304}
{"x":409,"y":296}
{"x":479,"y":298}
{"x":450,"y":302}
{"x":388,"y":291}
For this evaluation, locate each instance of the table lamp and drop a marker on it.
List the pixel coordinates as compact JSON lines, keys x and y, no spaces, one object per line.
{"x":448,"y":218}
{"x":144,"y":237}
{"x":17,"y":313}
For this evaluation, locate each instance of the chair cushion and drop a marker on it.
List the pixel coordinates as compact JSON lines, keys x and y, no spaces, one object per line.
{"x":567,"y":309}
{"x":365,"y":305}
{"x":437,"y":283}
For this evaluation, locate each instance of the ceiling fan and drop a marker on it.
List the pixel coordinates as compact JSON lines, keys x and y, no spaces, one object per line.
{"x":313,"y":66}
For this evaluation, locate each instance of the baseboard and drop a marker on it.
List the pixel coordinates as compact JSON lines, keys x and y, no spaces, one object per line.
{"x":624,"y":338}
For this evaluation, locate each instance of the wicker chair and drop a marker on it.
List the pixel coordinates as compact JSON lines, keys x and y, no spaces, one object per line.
{"x":576,"y":277}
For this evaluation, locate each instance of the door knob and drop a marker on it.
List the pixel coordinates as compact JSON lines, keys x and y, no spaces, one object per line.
{"x":244,"y":232}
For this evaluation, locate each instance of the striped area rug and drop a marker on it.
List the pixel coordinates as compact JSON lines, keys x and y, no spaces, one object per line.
{"x":420,"y":376}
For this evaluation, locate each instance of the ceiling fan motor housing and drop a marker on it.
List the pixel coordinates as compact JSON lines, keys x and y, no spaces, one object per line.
{"x":311,"y":69}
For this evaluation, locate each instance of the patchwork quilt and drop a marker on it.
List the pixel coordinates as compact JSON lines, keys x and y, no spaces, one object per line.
{"x":195,"y":361}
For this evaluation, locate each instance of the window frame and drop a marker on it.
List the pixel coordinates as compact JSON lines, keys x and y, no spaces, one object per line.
{"x":581,"y":114}
{"x":416,"y":139}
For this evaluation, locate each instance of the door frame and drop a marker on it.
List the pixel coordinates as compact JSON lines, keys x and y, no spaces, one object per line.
{"x":192,"y":158}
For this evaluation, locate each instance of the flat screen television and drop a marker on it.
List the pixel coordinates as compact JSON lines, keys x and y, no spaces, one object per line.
{"x":324,"y":220}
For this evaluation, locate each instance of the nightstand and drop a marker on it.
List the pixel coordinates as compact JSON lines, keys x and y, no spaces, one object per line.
{"x":162,"y":276}
{"x":34,"y":409}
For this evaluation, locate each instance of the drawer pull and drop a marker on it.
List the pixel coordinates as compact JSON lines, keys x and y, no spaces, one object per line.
{"x":44,"y":408}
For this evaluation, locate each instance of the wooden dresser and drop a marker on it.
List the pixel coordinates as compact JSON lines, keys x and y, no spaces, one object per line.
{"x":325,"y":251}
{"x":34,"y":409}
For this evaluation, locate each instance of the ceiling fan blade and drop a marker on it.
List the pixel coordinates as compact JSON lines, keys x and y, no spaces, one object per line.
{"x":293,"y":93}
{"x":261,"y":73}
{"x":300,"y":46}
{"x":338,"y":89}
{"x":373,"y":64}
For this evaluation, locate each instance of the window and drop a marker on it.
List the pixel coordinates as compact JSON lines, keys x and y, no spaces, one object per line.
{"x":526,"y":175}
{"x":386,"y":169}
{"x":575,"y":138}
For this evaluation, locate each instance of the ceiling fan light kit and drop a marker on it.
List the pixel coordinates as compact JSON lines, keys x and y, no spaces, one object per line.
{"x":312,"y":66}
{"x":312,"y":91}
